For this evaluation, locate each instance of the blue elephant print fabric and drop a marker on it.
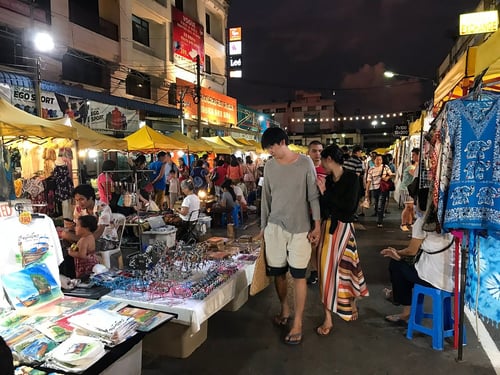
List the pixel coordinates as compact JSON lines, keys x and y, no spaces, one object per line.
{"x":473,"y":195}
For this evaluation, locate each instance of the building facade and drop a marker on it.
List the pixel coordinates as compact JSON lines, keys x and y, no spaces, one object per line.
{"x":123,"y":54}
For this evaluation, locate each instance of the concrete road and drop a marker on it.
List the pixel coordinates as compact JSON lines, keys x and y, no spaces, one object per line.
{"x":245,"y":342}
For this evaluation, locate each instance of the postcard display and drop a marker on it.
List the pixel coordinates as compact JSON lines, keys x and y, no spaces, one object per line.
{"x":41,"y":325}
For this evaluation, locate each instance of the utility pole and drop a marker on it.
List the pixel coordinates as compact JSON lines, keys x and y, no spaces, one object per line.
{"x":198,"y":93}
{"x":38,"y":91}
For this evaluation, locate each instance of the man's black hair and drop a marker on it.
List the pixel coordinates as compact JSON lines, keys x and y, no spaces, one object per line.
{"x":86,"y":190}
{"x":273,"y":136}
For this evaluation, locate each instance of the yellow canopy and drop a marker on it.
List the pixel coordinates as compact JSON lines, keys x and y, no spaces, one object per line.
{"x":465,"y":67}
{"x":297,"y":148}
{"x":218,"y":140}
{"x":88,"y":138}
{"x":241,"y":146}
{"x":251,"y":142}
{"x":147,"y":139}
{"x":488,"y":57}
{"x":15,"y":122}
{"x":199,"y":145}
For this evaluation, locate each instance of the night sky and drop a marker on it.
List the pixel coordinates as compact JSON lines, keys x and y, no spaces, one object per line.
{"x":340,"y":46}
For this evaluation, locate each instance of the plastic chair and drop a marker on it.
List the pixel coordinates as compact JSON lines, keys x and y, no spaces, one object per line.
{"x":441,"y":315}
{"x":119,"y":222}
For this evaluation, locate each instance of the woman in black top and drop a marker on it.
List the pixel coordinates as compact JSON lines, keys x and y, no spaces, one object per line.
{"x":341,"y":279}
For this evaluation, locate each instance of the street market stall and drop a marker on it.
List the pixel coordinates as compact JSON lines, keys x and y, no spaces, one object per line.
{"x":149,"y":140}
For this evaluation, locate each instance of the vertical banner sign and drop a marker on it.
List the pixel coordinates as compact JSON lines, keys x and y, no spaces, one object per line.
{"x":188,"y":39}
{"x":234,"y":53}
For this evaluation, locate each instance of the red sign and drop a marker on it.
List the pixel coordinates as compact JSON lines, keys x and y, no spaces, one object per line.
{"x":188,"y":38}
{"x":216,"y":108}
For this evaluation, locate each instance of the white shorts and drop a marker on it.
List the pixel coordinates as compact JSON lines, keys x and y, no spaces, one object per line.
{"x":405,"y":197}
{"x":285,"y":249}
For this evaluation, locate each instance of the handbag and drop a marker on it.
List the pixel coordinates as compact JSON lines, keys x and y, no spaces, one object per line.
{"x":413,"y":187}
{"x":386,"y":186}
{"x":260,"y":280}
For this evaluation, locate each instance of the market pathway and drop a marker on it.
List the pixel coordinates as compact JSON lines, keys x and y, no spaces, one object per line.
{"x":245,"y":342}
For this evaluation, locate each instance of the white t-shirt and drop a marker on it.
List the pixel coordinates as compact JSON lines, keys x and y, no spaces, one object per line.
{"x":192,"y":202}
{"x":104,"y":217}
{"x":17,"y":237}
{"x":239,"y":193}
{"x":436,"y":269}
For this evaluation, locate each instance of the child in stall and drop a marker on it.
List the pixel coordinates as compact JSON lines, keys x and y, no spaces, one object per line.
{"x":174,"y":188}
{"x":83,"y":251}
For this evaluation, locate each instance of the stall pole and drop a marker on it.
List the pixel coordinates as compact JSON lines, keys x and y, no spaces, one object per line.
{"x":463,"y":274}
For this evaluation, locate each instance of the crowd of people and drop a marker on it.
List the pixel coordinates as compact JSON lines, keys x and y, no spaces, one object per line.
{"x":328,"y":189}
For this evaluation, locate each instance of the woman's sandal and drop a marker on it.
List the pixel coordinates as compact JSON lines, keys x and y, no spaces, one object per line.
{"x":281,"y":321}
{"x":293,"y":338}
{"x":323,"y":331}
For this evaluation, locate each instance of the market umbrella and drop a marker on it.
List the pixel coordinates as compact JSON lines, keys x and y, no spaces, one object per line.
{"x":147,"y":139}
{"x":199,"y":145}
{"x":88,"y":138}
{"x":218,"y":141}
{"x":17,"y":123}
{"x":251,"y":142}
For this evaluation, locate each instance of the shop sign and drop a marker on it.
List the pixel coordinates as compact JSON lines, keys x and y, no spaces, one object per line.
{"x":6,"y":210}
{"x":478,"y":22}
{"x":188,"y":38}
{"x":234,"y":34}
{"x":104,"y":116}
{"x":216,"y":108}
{"x":401,"y":130}
{"x":234,"y":53}
{"x":25,"y":99}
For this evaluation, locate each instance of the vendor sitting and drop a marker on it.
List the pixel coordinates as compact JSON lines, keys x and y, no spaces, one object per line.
{"x":189,"y":210}
{"x":86,"y":204}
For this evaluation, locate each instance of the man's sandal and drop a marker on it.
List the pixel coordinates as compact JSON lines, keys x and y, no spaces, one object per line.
{"x":293,"y":339}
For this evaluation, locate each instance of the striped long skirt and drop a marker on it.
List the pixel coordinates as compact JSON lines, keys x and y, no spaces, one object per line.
{"x":340,"y":275}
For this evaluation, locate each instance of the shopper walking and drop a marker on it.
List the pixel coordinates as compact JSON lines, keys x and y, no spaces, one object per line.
{"x":288,"y":178}
{"x":341,"y":278}
{"x":378,"y":197}
{"x":405,"y":197}
{"x":158,"y":178}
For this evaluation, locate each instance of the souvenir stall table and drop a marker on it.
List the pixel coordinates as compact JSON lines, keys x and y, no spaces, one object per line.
{"x":206,"y":293}
{"x":39,"y":323}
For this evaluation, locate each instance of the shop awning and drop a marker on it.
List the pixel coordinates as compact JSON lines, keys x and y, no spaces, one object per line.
{"x":464,"y":68}
{"x":88,"y":138}
{"x":216,"y":147}
{"x":488,"y":57}
{"x":14,"y":79}
{"x":234,"y":142}
{"x":17,"y":123}
{"x":109,"y":99}
{"x":147,"y":139}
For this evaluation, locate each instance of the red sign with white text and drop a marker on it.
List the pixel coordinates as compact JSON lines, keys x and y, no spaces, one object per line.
{"x":188,"y":38}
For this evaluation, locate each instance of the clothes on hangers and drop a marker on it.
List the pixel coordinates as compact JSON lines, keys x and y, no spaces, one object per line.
{"x":471,"y":150}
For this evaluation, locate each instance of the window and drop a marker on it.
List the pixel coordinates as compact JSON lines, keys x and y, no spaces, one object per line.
{"x":280,"y":110}
{"x":140,"y":30}
{"x":311,"y":108}
{"x":179,"y":4}
{"x":208,"y":64}
{"x":348,"y":141}
{"x":266,"y":110}
{"x":296,"y":109}
{"x":325,"y":107}
{"x":207,"y":23}
{"x":138,"y":84}
{"x":82,"y":68}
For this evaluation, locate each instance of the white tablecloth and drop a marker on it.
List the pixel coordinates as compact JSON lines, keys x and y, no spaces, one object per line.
{"x":190,"y":311}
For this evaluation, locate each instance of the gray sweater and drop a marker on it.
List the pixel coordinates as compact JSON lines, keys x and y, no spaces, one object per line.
{"x":290,"y":195}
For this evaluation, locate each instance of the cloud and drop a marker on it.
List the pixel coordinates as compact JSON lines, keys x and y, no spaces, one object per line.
{"x":368,"y":91}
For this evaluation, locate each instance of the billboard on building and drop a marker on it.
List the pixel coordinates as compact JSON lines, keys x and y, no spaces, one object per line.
{"x":216,"y":108}
{"x":93,"y":114}
{"x":235,"y":52}
{"x":187,"y":37}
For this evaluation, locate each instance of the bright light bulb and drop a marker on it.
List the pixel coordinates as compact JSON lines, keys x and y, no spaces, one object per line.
{"x":92,"y":153}
{"x":180,"y":153}
{"x":388,"y":74}
{"x":43,"y":42}
{"x":374,"y":122}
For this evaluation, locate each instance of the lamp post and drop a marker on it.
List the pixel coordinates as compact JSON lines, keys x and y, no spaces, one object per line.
{"x":43,"y":42}
{"x":390,"y":74}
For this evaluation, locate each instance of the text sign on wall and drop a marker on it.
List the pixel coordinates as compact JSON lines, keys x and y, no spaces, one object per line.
{"x":401,"y":130}
{"x":234,"y":52}
{"x":188,"y":38}
{"x":478,"y":22}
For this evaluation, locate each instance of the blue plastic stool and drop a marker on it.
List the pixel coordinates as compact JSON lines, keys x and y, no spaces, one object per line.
{"x":237,"y":214}
{"x":442,"y":319}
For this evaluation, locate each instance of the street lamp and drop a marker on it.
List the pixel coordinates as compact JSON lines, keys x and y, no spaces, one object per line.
{"x":43,"y":42}
{"x":390,"y":74}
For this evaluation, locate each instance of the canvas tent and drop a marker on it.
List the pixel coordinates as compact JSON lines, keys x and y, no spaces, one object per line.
{"x":147,"y":139}
{"x":200,"y":145}
{"x":17,"y":123}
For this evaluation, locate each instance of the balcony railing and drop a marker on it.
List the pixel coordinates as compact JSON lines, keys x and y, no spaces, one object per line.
{"x":27,"y":10}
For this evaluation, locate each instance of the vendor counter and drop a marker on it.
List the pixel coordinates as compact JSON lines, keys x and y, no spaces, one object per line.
{"x":182,"y":339}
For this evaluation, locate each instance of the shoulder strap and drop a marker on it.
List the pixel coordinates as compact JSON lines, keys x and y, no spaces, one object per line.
{"x":441,"y":250}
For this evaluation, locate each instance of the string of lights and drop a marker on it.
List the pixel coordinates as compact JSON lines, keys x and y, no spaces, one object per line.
{"x":353,"y":118}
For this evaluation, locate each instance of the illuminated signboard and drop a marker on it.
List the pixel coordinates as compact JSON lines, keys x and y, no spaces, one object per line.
{"x":234,"y":52}
{"x":479,"y":22}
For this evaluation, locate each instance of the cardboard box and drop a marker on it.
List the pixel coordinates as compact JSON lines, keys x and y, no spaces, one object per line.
{"x":175,"y":340}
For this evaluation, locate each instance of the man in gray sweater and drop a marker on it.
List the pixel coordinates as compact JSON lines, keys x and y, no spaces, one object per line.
{"x":289,"y":197}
